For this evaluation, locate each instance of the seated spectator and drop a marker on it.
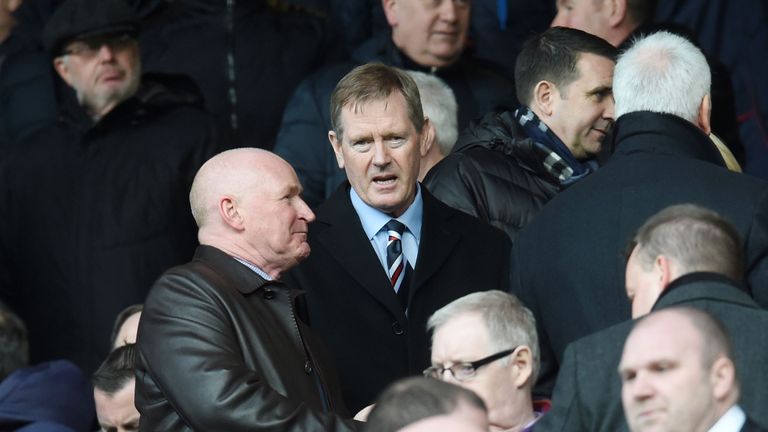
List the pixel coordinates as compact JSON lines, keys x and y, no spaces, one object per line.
{"x":114,"y":170}
{"x":439,"y":106}
{"x":487,"y":342}
{"x":113,"y":389}
{"x":412,"y":399}
{"x":49,"y":397}
{"x":678,"y":374}
{"x":126,"y":326}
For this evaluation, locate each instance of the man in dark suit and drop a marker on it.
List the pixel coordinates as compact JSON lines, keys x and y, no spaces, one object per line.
{"x":684,"y":256}
{"x":678,"y":374}
{"x":221,"y":346}
{"x":386,"y":254}
{"x":567,"y":263}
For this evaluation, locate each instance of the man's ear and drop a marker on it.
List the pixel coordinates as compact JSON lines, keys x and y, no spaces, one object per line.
{"x":665,"y":273}
{"x":616,"y":11}
{"x":62,"y":69}
{"x":543,"y":98}
{"x":336,"y":144}
{"x":229,"y":213}
{"x":705,"y":113}
{"x":723,"y":377}
{"x":522,"y":362}
{"x":390,"y":11}
{"x":428,"y":137}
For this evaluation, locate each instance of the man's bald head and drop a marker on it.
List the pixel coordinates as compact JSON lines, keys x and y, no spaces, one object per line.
{"x":246,"y":202}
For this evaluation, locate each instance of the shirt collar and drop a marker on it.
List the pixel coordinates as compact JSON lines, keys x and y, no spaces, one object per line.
{"x":374,"y":219}
{"x":732,"y":420}
{"x":254,"y":268}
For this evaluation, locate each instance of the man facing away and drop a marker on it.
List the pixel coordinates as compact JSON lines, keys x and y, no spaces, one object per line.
{"x":567,"y":263}
{"x":685,"y":255}
{"x":509,"y":164}
{"x":386,"y":254}
{"x":221,"y":343}
{"x":486,"y":342}
{"x":678,"y":374}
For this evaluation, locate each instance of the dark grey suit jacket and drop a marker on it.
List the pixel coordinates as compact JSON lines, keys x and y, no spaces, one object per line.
{"x":353,"y":307}
{"x":587,"y":395}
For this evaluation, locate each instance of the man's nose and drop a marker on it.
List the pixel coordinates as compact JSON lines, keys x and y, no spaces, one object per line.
{"x":380,"y":153}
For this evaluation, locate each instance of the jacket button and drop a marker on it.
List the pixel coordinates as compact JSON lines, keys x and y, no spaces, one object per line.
{"x":308,"y":367}
{"x":269,"y":294}
{"x":397,"y":328}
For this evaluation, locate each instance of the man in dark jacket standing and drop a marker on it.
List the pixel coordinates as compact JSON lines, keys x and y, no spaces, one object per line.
{"x":509,"y":164}
{"x":567,"y":263}
{"x":221,"y":344}
{"x":93,"y":206}
{"x":426,"y":36}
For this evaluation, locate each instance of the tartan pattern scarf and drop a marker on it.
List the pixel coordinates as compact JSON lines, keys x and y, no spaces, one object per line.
{"x":555,"y":156}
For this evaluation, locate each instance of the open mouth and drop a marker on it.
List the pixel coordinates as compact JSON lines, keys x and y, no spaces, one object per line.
{"x":385,"y":180}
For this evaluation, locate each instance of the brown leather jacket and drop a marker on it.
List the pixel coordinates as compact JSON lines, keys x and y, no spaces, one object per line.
{"x":221,"y":349}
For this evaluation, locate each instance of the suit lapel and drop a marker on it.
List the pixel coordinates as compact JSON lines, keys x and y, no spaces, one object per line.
{"x":345,"y":241}
{"x":438,"y":238}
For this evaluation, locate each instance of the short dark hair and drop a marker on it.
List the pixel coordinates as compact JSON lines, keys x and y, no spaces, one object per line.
{"x":373,"y":82}
{"x":412,"y":399}
{"x":122,"y":317}
{"x":698,"y":239}
{"x":14,"y":345}
{"x":116,"y":371}
{"x":552,"y":56}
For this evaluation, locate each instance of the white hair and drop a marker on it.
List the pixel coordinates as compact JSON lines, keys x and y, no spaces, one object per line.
{"x":508,"y":321}
{"x":439,"y":105}
{"x":663,"y":73}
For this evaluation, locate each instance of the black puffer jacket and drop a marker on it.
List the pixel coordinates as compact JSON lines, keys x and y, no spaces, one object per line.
{"x":494,"y":174}
{"x":92,"y":214}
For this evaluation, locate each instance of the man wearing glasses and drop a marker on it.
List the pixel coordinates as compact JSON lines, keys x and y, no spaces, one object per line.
{"x":487,"y":342}
{"x":94,"y":206}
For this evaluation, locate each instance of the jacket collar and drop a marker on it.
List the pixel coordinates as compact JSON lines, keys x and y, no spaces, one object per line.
{"x":704,"y":286}
{"x":241,"y":277}
{"x":663,"y":134}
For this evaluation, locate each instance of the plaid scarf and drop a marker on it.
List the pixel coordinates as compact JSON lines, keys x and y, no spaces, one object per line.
{"x":555,"y":156}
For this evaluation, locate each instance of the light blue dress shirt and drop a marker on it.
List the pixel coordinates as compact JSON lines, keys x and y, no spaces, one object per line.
{"x":373,"y":221}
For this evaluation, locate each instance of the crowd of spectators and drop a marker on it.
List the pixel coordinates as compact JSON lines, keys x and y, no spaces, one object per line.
{"x":274,"y":214}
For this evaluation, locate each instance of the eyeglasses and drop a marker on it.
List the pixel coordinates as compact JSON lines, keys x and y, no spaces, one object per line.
{"x":465,"y":371}
{"x":90,"y":47}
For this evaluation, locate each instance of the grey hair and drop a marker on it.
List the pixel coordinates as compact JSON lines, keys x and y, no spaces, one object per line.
{"x":663,"y":73}
{"x":508,"y":321}
{"x":439,"y":105}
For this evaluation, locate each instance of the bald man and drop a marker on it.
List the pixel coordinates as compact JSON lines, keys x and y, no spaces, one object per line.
{"x":221,"y":345}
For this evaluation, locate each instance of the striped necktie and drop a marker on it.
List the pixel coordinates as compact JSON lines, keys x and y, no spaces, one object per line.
{"x":398,"y":268}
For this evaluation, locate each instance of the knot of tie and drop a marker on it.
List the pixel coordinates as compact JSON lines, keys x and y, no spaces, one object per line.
{"x":396,"y":226}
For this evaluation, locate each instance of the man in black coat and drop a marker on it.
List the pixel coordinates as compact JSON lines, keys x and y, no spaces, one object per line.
{"x":93,"y":207}
{"x":567,"y":263}
{"x":385,"y":253}
{"x":426,"y":36}
{"x":505,"y":167}
{"x":684,"y":256}
{"x":221,"y":344}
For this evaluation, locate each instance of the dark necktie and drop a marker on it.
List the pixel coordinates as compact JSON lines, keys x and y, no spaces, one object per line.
{"x":397,"y":266}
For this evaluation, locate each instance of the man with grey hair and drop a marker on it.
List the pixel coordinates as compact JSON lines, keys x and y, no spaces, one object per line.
{"x":684,"y":255}
{"x":678,"y":374}
{"x":567,"y":264}
{"x":487,"y":342}
{"x":221,"y":343}
{"x":439,"y":105}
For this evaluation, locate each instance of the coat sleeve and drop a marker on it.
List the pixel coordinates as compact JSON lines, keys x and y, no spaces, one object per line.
{"x":187,"y":350}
